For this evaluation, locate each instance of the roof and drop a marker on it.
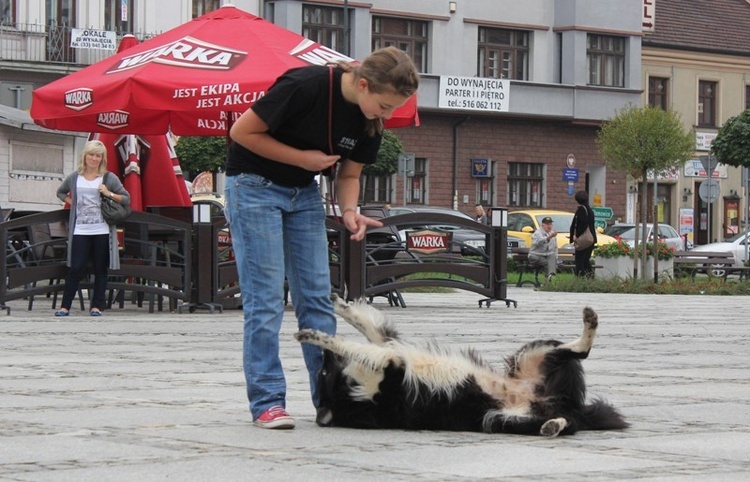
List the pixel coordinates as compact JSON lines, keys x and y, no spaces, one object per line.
{"x":21,"y":119}
{"x":10,"y":116}
{"x":719,"y":26}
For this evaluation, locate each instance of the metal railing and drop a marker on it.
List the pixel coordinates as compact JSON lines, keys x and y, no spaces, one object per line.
{"x":193,"y":263}
{"x":27,"y":42}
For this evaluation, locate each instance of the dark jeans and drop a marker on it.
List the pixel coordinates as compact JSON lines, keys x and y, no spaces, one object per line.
{"x":583,"y":262}
{"x":83,"y":249}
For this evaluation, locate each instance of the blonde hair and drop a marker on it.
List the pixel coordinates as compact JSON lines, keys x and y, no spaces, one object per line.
{"x":93,"y":147}
{"x":386,"y":70}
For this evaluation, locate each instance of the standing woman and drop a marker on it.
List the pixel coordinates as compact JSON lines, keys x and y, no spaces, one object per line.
{"x":583,"y":220}
{"x":310,"y":119}
{"x":89,"y":236}
{"x":480,"y":215}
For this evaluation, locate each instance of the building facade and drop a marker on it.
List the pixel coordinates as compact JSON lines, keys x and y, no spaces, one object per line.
{"x":696,"y":62}
{"x":512,"y":93}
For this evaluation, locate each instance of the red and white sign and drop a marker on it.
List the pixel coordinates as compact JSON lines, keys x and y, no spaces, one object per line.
{"x":428,"y":242}
{"x":649,"y":15}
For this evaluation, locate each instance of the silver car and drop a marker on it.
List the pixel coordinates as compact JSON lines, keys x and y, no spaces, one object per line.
{"x":667,"y":234}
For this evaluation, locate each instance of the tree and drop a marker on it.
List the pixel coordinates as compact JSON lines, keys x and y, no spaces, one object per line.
{"x":732,"y":143}
{"x":387,"y":162}
{"x":198,"y":154}
{"x":642,"y":139}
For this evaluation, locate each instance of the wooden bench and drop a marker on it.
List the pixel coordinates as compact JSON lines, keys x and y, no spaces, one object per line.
{"x":712,"y":263}
{"x":565,"y":262}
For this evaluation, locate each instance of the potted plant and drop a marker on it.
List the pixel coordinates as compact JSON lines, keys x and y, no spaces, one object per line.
{"x":616,"y":259}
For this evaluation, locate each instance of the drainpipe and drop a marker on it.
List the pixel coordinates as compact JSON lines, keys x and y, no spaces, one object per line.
{"x":455,"y":159}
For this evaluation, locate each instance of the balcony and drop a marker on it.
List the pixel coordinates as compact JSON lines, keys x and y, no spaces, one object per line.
{"x":29,"y":46}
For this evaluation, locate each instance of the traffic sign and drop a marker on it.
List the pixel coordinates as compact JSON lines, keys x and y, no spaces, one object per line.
{"x":602,"y":213}
{"x":600,"y":223}
{"x":709,"y":190}
{"x":709,"y":164}
{"x":406,"y":164}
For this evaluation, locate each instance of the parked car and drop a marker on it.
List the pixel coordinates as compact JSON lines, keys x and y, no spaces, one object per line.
{"x":667,"y":234}
{"x":736,"y":245}
{"x":522,"y":224}
{"x":468,"y":241}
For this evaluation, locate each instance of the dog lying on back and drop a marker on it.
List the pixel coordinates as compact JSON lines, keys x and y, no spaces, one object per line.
{"x":391,"y":384}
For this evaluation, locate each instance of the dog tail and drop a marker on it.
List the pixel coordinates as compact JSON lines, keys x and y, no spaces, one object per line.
{"x":600,"y":415}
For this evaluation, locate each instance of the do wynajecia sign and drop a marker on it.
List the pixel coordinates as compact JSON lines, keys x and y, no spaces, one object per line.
{"x":93,"y":39}
{"x":474,"y":93}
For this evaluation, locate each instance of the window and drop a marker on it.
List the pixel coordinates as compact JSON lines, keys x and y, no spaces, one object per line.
{"x":747,"y":97}
{"x":7,"y":12}
{"x":407,"y":35}
{"x":324,"y":25}
{"x":118,"y":16}
{"x":525,"y":184}
{"x":606,"y":60}
{"x":486,"y":187}
{"x":376,"y":189}
{"x":503,"y":54}
{"x":202,"y":7}
{"x":485,"y":191}
{"x":707,"y":103}
{"x":657,"y":92}
{"x":36,"y":161}
{"x":60,"y":16}
{"x":417,"y":182}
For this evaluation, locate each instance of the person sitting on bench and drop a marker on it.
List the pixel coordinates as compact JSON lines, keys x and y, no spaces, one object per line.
{"x":543,"y":250}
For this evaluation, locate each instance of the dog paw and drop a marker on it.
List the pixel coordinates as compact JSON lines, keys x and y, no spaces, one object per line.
{"x":553,"y":427}
{"x":590,"y":318}
{"x":305,"y":335}
{"x":340,"y":306}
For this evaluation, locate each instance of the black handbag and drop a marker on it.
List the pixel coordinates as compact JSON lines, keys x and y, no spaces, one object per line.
{"x":114,"y":212}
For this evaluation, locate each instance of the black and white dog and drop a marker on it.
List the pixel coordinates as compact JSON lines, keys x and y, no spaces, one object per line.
{"x":389,"y":383}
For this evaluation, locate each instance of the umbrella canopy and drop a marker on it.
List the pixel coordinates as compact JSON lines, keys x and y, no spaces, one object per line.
{"x":193,"y":79}
{"x":147,"y":165}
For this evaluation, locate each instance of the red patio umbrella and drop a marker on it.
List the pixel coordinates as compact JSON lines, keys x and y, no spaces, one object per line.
{"x":147,"y":165}
{"x":191,"y":79}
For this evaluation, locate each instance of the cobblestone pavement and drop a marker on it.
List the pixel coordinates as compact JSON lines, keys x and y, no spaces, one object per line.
{"x":139,"y":396}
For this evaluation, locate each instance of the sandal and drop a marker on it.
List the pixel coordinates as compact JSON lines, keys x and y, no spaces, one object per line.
{"x":62,"y":313}
{"x":95,"y":313}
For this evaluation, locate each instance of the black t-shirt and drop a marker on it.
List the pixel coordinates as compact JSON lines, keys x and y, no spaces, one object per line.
{"x":296,"y":111}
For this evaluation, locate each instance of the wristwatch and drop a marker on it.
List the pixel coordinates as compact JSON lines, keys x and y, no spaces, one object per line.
{"x":111,"y":194}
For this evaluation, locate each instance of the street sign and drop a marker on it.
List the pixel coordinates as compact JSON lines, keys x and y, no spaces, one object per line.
{"x":600,"y":223}
{"x":709,"y":190}
{"x":602,"y":213}
{"x":405,"y":164}
{"x":709,"y":164}
{"x":570,"y":174}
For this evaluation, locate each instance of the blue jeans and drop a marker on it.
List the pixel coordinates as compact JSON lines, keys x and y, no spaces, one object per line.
{"x":278,"y":232}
